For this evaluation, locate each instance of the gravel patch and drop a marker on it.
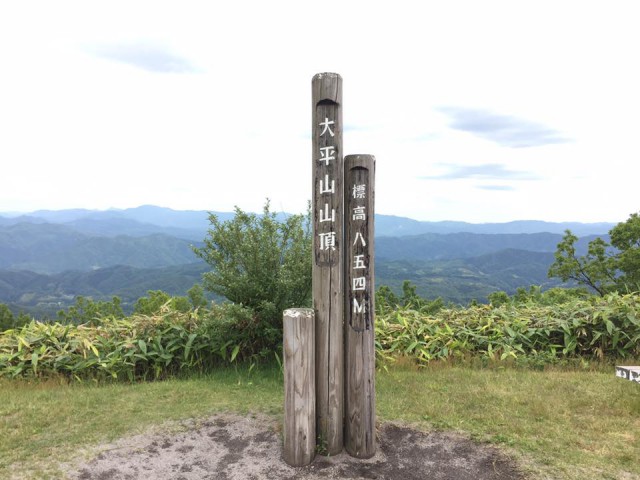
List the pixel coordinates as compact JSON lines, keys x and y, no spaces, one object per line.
{"x":232,"y":447}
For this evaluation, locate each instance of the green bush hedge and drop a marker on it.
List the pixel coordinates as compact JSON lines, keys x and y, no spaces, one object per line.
{"x":133,"y":348}
{"x":170,"y":341}
{"x":596,"y":327}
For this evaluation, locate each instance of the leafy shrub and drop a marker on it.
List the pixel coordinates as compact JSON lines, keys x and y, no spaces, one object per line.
{"x":613,"y":267}
{"x":263,"y":264}
{"x":535,"y":295}
{"x":387,"y":300}
{"x":169,"y":341}
{"x":138,"y":347}
{"x":9,"y":320}
{"x":607,"y":327}
{"x":236,"y":331}
{"x":157,"y":299}
{"x":87,"y":310}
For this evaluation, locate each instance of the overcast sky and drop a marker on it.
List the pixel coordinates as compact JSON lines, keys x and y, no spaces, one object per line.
{"x":478,"y":111}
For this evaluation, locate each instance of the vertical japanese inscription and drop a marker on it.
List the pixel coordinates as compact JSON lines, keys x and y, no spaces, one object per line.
{"x":327,"y":183}
{"x":359,"y":244}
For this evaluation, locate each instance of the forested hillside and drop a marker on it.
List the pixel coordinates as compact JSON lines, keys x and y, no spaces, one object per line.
{"x":461,"y":280}
{"x":44,"y":295}
{"x":47,"y":258}
{"x":51,"y":248}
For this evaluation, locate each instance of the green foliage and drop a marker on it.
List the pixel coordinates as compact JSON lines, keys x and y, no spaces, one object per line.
{"x":603,"y":269}
{"x":626,"y":238}
{"x":170,"y":341}
{"x":6,"y":317}
{"x":86,"y":310}
{"x":152,"y":345}
{"x":535,"y":295}
{"x":496,"y":299}
{"x":237,"y":333}
{"x":596,"y":327}
{"x":260,"y":263}
{"x":9,"y":320}
{"x":596,"y":269}
{"x":157,"y":299}
{"x":387,"y":300}
{"x":134,"y":348}
{"x":196,"y":296}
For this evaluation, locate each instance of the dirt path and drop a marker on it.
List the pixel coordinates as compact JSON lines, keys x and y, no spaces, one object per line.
{"x":230,"y":447}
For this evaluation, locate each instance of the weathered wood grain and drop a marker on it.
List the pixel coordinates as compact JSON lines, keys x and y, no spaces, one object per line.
{"x":327,"y":276}
{"x":299,"y":386}
{"x":360,"y":402}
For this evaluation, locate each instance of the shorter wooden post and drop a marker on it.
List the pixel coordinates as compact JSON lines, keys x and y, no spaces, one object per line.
{"x":299,"y":386}
{"x":359,"y":309}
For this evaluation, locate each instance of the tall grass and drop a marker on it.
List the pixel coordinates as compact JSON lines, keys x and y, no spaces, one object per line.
{"x":597,"y":327}
{"x":139,"y":347}
{"x":157,"y":346}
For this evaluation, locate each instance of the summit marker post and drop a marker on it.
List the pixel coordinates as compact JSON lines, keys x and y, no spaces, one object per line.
{"x":359,"y":308}
{"x":328,"y":254}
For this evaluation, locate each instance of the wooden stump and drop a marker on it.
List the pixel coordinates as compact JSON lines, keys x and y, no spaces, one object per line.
{"x":299,"y":386}
{"x":360,"y":394}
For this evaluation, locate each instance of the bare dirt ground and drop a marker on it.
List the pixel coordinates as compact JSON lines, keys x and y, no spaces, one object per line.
{"x":231,"y":447}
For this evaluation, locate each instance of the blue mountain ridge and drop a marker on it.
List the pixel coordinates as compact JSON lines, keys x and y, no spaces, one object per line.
{"x":48,"y":257}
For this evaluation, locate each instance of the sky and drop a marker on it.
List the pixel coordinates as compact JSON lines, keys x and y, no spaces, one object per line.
{"x":477,"y":111}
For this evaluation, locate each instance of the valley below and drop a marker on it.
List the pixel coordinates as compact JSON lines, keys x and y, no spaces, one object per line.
{"x":49,"y":258}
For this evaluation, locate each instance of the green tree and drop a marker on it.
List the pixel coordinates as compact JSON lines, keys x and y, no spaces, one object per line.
{"x":533,"y":295}
{"x":260,"y":262}
{"x":196,"y":296}
{"x":386,"y":300}
{"x":409,"y":295}
{"x":596,"y":269}
{"x":156,"y":299}
{"x":86,"y":310}
{"x":625,"y":237}
{"x":498,"y":298}
{"x":606,"y":267}
{"x":6,"y":318}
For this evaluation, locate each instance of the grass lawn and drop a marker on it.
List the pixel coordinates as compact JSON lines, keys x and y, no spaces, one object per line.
{"x":557,"y":423}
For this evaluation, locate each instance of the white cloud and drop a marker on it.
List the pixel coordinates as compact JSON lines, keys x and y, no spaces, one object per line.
{"x":208,"y":105}
{"x":146,"y":55}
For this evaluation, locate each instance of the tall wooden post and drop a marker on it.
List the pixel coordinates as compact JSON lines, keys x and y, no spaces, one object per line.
{"x":360,"y":399}
{"x":328,"y":257}
{"x":299,"y":386}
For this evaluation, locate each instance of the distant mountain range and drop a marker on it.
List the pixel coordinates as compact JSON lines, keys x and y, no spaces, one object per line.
{"x":388,"y":225}
{"x":193,"y":224}
{"x":447,"y":246}
{"x":49,"y":257}
{"x":52,"y":248}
